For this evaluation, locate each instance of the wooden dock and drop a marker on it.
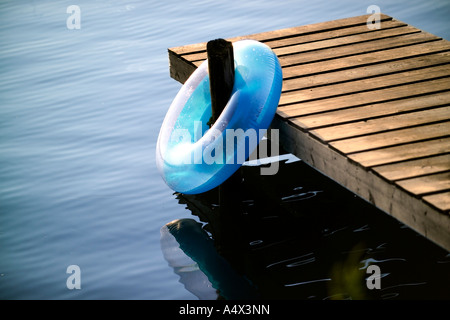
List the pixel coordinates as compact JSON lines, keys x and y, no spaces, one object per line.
{"x":369,"y":108}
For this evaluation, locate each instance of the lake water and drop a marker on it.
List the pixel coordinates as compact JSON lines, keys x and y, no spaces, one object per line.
{"x":80,"y":112}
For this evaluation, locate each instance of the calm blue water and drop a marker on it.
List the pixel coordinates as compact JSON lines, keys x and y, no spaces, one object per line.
{"x":80,"y":112}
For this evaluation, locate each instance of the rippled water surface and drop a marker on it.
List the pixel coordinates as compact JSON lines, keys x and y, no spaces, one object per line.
{"x":80,"y":111}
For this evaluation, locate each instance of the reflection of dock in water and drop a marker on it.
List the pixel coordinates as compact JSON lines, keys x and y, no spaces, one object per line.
{"x":297,"y":235}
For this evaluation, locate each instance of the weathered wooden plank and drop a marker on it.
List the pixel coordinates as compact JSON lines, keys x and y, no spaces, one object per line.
{"x":335,"y":48}
{"x":366,"y":59}
{"x":402,"y":153}
{"x":310,"y":45}
{"x":337,"y":33}
{"x":440,"y":200}
{"x":427,"y":184}
{"x":318,"y":27}
{"x":363,"y":98}
{"x":290,"y":32}
{"x":370,"y":126}
{"x":414,"y":168}
{"x":371,"y":111}
{"x":371,"y":56}
{"x":356,"y":49}
{"x":366,"y":38}
{"x":366,"y":72}
{"x":386,"y":81}
{"x":392,"y":138}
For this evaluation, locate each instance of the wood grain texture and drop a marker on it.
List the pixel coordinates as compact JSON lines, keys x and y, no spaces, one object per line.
{"x":414,"y":168}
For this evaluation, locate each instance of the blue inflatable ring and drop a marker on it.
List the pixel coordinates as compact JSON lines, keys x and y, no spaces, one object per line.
{"x":193,"y":158}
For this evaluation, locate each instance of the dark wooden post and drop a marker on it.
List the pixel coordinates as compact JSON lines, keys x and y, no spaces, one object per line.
{"x":221,"y":74}
{"x":221,"y":77}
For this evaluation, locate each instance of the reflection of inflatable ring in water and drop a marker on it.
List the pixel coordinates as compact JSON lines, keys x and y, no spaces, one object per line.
{"x":193,"y":158}
{"x":202,"y":270}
